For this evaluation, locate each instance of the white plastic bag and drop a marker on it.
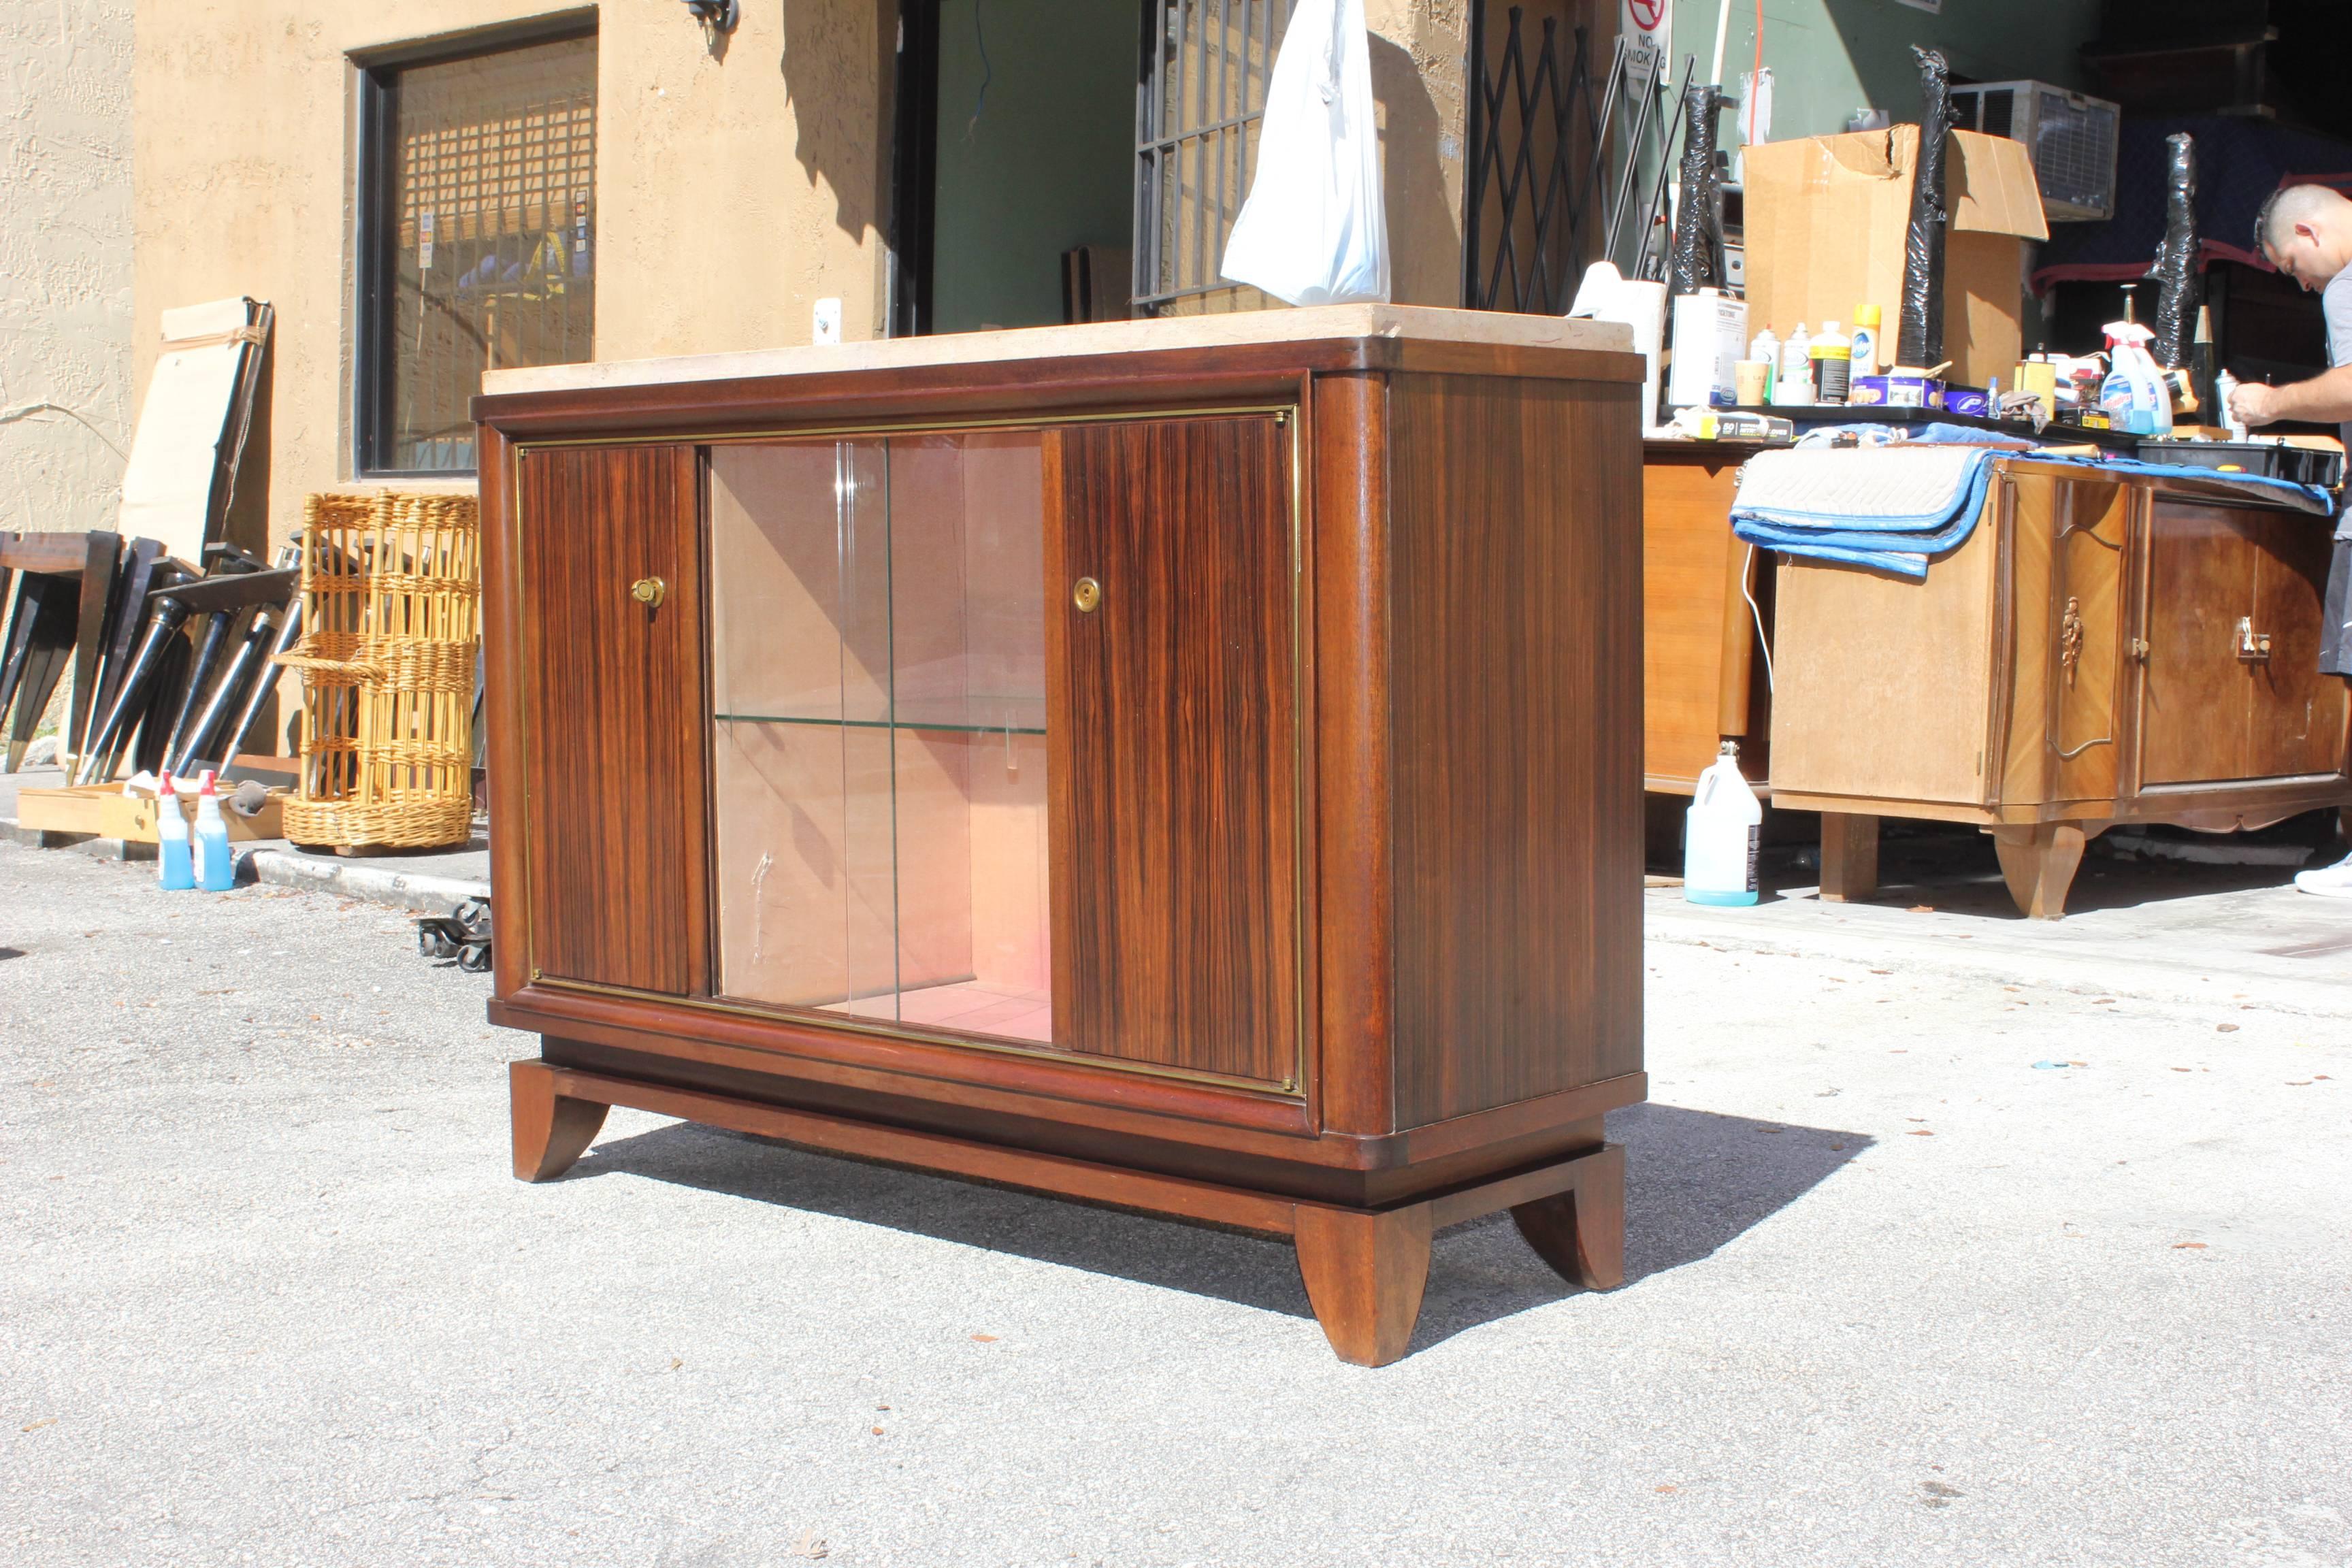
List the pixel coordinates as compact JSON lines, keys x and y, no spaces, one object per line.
{"x":1315,"y":230}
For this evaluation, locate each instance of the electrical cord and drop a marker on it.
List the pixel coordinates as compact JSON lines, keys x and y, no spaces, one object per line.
{"x":26,"y":411}
{"x":1746,"y":576}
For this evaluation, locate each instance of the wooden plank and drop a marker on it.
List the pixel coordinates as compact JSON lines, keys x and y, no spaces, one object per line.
{"x":936,"y":1152}
{"x":1694,"y":624}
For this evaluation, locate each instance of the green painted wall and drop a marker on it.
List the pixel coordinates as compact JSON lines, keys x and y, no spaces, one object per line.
{"x":1048,"y":164}
{"x":1830,"y":57}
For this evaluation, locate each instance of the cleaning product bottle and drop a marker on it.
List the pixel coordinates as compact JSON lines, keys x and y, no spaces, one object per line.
{"x":1720,"y":834}
{"x":1766,"y":346}
{"x":1795,"y":382}
{"x":1832,"y":357}
{"x":215,"y":871}
{"x":1864,"y":358}
{"x":173,"y":867}
{"x":2133,"y":395}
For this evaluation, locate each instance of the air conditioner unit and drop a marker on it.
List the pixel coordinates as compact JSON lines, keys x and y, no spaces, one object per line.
{"x":2072,"y":139}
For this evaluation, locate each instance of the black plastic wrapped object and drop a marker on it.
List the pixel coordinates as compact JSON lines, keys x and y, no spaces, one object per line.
{"x":1690,"y":264}
{"x":2176,"y":260}
{"x":1920,"y":337}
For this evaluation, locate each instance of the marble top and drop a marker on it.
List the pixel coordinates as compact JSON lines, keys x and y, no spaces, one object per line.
{"x":1273,"y":326}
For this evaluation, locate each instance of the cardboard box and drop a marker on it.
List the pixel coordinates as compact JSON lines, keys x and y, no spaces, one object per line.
{"x":105,"y":812}
{"x":1826,"y":216}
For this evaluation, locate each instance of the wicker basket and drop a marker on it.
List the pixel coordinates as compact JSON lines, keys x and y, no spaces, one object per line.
{"x":391,"y":602}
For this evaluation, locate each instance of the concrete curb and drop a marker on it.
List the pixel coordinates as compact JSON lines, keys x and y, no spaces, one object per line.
{"x":400,"y":890}
{"x":397,"y":889}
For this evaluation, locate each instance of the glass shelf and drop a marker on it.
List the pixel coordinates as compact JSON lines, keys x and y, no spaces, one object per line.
{"x":878,"y":674}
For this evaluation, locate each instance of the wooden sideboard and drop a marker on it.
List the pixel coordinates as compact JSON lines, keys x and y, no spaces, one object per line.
{"x":2101,"y":649}
{"x":1189,"y":766}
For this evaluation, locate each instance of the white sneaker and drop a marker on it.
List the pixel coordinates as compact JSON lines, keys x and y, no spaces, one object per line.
{"x":2327,"y":882}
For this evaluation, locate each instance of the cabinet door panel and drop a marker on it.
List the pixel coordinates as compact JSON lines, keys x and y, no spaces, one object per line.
{"x":2193,"y":708}
{"x":613,"y":705}
{"x":2297,"y":722}
{"x":1174,"y":768}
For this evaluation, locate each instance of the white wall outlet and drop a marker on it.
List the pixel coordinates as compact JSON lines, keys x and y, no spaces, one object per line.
{"x":826,"y":329}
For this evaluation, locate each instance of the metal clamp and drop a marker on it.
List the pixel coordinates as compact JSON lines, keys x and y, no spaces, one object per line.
{"x":2253,"y":646}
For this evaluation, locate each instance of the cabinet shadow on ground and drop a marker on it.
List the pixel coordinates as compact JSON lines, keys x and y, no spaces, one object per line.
{"x":1695,"y":1180}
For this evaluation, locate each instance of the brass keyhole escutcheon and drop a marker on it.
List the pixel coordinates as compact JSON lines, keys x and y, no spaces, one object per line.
{"x":648,"y":592}
{"x":1085,"y":595}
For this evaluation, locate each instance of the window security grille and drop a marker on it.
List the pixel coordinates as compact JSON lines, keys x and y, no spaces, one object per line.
{"x":485,"y":242}
{"x":1200,"y":99}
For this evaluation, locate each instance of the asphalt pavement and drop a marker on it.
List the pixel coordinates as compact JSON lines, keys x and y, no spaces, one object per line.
{"x":1954,"y":1239}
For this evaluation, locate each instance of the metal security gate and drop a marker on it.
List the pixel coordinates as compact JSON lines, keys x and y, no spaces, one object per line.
{"x":1563,"y":172}
{"x":1199,"y":96}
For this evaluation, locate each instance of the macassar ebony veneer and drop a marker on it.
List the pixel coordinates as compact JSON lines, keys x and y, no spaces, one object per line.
{"x":1192,"y":766}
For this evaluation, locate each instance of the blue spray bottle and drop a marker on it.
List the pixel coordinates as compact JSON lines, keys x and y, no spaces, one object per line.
{"x":174,"y":867}
{"x":215,"y":871}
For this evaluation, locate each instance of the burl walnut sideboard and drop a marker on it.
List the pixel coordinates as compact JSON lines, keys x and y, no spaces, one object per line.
{"x":1192,"y":766}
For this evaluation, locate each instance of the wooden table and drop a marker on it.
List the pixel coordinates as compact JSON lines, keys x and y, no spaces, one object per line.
{"x":2103,"y":649}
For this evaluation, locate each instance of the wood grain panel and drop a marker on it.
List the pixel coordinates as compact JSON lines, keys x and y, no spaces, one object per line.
{"x":1697,"y":634}
{"x":2296,"y":720}
{"x":615,"y":714}
{"x":1516,"y":606}
{"x":2194,"y":698}
{"x":1172,"y":747}
{"x":1852,"y":716}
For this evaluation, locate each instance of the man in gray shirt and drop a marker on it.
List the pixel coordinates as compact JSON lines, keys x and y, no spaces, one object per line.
{"x":2307,"y":233}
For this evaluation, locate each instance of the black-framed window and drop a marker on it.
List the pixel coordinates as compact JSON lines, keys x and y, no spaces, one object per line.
{"x":477,"y":236}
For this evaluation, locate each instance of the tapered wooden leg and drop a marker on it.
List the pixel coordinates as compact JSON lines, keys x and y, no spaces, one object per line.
{"x":2037,"y":862}
{"x":1581,"y":1232}
{"x":1849,"y":856}
{"x":550,"y":1130}
{"x":1365,"y":1274}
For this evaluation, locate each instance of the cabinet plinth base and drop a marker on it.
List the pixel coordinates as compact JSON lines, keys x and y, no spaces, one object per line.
{"x":1364,"y":1269}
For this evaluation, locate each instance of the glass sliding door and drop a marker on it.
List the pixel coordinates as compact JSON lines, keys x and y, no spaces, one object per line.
{"x":878,"y":678}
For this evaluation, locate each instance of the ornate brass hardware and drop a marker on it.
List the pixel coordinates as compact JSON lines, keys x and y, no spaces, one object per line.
{"x":2253,"y":646}
{"x":648,"y":592}
{"x":2070,"y":638}
{"x":1085,"y":595}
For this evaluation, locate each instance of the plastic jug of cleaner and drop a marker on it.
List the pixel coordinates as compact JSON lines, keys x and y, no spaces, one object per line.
{"x":2133,"y":395}
{"x":173,"y":867}
{"x":1720,"y":834}
{"x":216,"y":872}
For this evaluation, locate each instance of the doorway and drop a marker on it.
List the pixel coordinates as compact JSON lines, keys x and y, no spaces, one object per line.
{"x":1015,"y":163}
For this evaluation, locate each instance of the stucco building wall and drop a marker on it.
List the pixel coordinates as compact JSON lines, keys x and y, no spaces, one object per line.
{"x":65,"y":262}
{"x":737,"y":182}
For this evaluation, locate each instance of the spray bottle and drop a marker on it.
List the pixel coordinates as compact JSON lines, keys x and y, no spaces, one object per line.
{"x":1722,"y":832}
{"x":216,"y":872}
{"x":1766,"y":346}
{"x":173,"y":867}
{"x":1794,"y":384}
{"x":2133,"y":395}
